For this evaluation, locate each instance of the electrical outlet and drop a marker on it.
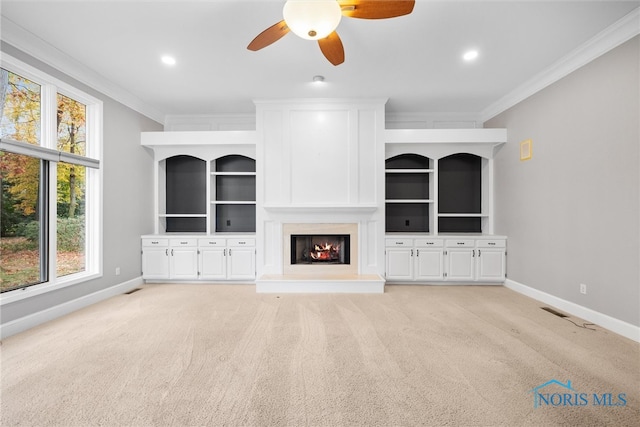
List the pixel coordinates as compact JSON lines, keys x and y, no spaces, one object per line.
{"x":583,"y":288}
{"x":117,"y":271}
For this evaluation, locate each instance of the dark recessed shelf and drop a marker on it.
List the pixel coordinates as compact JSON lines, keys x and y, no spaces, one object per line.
{"x":186,"y":225}
{"x":235,"y":218}
{"x":460,"y":224}
{"x":186,"y":185}
{"x":407,"y":189}
{"x":234,"y":184}
{"x":407,"y":186}
{"x":235,"y":163}
{"x":407,"y":217}
{"x":460,"y":184}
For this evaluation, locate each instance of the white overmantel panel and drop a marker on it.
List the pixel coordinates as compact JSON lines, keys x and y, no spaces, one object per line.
{"x":321,"y":151}
{"x":323,"y":155}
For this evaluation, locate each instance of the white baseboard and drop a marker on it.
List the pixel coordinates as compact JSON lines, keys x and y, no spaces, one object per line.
{"x":615,"y":325}
{"x":27,"y":322}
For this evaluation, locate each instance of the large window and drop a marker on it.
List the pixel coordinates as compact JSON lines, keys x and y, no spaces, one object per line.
{"x":50,"y":178}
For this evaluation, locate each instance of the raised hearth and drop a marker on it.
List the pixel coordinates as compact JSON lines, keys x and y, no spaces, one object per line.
{"x":320,"y":258}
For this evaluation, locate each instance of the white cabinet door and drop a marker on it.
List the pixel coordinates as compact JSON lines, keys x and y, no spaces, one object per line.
{"x":460,"y":264}
{"x":184,"y":263}
{"x":491,"y":265}
{"x":399,"y":264}
{"x":241,"y":263}
{"x":213,"y":264}
{"x":183,"y":258}
{"x":155,"y":263}
{"x":429,"y":264}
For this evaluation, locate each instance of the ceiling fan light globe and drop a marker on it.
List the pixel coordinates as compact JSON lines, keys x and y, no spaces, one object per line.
{"x":312,"y":19}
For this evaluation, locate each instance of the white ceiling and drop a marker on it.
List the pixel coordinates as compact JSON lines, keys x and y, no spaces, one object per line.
{"x":414,"y":61}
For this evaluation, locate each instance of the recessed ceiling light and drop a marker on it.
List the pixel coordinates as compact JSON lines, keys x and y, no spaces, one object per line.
{"x":168,"y":60}
{"x":470,"y":55}
{"x":318,"y":79}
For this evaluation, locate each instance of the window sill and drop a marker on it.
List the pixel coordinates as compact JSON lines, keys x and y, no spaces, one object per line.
{"x":43,"y":288}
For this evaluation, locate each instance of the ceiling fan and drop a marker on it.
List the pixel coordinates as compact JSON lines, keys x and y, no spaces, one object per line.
{"x":318,"y":19}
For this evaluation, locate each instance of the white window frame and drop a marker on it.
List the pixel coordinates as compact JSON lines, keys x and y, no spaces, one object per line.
{"x":50,"y":87}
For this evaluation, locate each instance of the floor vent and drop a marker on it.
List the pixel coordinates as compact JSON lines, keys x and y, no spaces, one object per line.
{"x":132,"y":291}
{"x":552,"y":311}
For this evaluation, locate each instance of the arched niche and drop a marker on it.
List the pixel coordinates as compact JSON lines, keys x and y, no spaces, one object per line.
{"x":185,"y":193}
{"x":460,"y":188}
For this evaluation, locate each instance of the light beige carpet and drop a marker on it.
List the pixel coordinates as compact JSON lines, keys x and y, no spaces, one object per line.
{"x":223,"y":355}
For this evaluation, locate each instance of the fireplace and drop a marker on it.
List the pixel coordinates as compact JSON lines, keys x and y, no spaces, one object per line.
{"x":320,"y":249}
{"x":321,"y":257}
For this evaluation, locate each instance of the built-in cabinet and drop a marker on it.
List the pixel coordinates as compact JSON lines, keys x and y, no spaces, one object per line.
{"x":414,"y":259}
{"x":480,"y":259}
{"x":444,"y":195}
{"x":422,"y":199}
{"x":190,"y":258}
{"x":230,"y":191}
{"x":439,"y":207}
{"x":205,"y":196}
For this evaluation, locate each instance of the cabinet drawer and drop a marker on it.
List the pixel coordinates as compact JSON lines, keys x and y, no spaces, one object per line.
{"x":460,"y":243}
{"x":155,"y":242}
{"x":212,"y":242}
{"x":241,"y":242}
{"x":399,"y":242}
{"x":490,"y":243}
{"x":429,"y":243}
{"x":183,"y":242}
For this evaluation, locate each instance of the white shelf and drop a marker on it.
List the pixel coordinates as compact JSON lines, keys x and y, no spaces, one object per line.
{"x":233,"y":173}
{"x":462,"y":215}
{"x":409,"y":170}
{"x":183,"y":215}
{"x":408,"y":201}
{"x":233,"y":202}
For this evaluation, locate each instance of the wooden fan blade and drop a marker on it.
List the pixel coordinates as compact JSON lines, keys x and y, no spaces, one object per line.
{"x":331,"y":47}
{"x":268,"y":36}
{"x":376,"y":9}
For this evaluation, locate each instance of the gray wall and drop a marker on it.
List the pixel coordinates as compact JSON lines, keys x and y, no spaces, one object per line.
{"x":572,"y":212}
{"x":127,"y":198}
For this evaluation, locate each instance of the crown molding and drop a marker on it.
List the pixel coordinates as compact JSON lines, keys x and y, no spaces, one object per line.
{"x":608,"y":39}
{"x":34,"y":46}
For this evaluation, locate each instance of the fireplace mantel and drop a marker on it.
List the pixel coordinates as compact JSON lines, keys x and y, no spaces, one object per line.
{"x":313,"y":209}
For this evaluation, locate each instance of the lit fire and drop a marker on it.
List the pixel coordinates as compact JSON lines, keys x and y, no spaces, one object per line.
{"x":325,"y":252}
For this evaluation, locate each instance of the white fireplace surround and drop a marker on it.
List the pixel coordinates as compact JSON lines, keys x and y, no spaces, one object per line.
{"x":360,"y":276}
{"x":320,"y":269}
